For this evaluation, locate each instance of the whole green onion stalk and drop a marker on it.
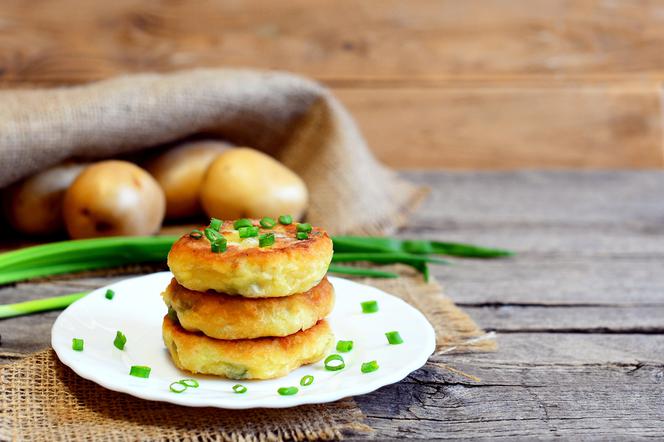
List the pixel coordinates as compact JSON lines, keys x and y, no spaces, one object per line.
{"x":101,"y":253}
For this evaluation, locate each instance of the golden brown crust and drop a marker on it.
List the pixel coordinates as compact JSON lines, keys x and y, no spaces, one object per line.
{"x":222,"y":316}
{"x":289,"y":266}
{"x":261,"y":358}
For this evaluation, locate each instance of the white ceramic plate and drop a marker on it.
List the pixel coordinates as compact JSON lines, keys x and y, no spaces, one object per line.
{"x":137,"y":310}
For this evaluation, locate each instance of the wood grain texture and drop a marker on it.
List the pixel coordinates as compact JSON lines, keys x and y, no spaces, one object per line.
{"x":580,"y":320}
{"x":441,"y":83}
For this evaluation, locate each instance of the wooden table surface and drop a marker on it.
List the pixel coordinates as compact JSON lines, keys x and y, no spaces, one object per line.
{"x":433,"y":83}
{"x":579,"y":311}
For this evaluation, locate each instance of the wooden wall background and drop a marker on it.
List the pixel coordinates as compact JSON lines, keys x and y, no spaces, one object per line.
{"x":455,"y":84}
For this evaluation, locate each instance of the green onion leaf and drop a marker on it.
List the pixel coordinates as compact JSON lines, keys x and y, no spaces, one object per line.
{"x":195,"y":234}
{"x":109,"y":294}
{"x":215,"y":224}
{"x":334,"y":362}
{"x":248,"y":232}
{"x":369,"y":306}
{"x":219,"y":245}
{"x":368,"y":367}
{"x":140,"y":371}
{"x":266,"y":240}
{"x":306,"y":380}
{"x":286,"y":219}
{"x":244,"y":222}
{"x":193,"y":383}
{"x":344,"y":346}
{"x":120,"y":340}
{"x":304,"y":227}
{"x":287,"y":391}
{"x":77,"y":344}
{"x":302,"y":235}
{"x":359,"y":271}
{"x":177,"y":387}
{"x":394,"y":338}
{"x":239,"y":389}
{"x":38,"y":305}
{"x":268,"y":222}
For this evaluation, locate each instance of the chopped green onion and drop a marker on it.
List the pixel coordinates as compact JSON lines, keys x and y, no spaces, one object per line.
{"x":368,"y":367}
{"x":306,"y":380}
{"x":287,"y":391}
{"x":268,"y":222}
{"x":77,"y":344}
{"x":195,"y":234}
{"x":239,"y":389}
{"x":248,"y":232}
{"x":109,"y":294}
{"x":193,"y":383}
{"x":304,"y":227}
{"x":219,"y":245}
{"x":215,"y":224}
{"x":302,"y":235}
{"x":244,"y":222}
{"x":369,"y":307}
{"x":334,"y":362}
{"x":177,"y":387}
{"x":212,"y":235}
{"x":344,"y":346}
{"x":140,"y":371}
{"x":394,"y":338}
{"x":286,"y":219}
{"x":120,"y":340}
{"x":266,"y":240}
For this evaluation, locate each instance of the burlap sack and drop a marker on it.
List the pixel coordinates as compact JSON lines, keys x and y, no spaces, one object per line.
{"x":292,"y":118}
{"x":42,"y":400}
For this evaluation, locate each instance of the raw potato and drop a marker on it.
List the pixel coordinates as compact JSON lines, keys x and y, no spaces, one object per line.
{"x":34,"y":205}
{"x":113,"y":198}
{"x":246,"y":183}
{"x":180,"y":171}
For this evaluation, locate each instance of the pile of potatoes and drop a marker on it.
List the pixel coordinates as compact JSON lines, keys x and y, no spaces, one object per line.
{"x":113,"y":197}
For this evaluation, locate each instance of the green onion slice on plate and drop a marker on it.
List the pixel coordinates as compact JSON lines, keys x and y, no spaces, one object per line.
{"x":287,"y":391}
{"x":120,"y":340}
{"x":140,"y":371}
{"x":369,"y":307}
{"x":77,"y":344}
{"x":109,"y":294}
{"x":344,"y":346}
{"x":394,"y":338}
{"x":334,"y":362}
{"x":177,"y":387}
{"x":306,"y":380}
{"x":239,"y":388}
{"x":368,"y":367}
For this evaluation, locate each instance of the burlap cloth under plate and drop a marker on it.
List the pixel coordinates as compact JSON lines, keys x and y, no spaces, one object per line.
{"x":42,"y":400}
{"x":292,"y":118}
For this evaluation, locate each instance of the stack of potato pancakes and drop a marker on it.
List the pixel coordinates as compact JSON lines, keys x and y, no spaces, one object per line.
{"x":249,"y":298}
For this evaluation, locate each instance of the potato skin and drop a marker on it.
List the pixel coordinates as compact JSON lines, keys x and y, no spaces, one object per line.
{"x":222,"y":316}
{"x":246,"y":183}
{"x":261,"y":358}
{"x":289,"y":266}
{"x":180,"y":171}
{"x":113,"y":198}
{"x":34,"y":205}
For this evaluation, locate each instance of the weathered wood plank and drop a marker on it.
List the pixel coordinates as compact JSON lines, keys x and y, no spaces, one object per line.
{"x":74,"y":40}
{"x":522,"y":401}
{"x":511,"y":127}
{"x":569,"y":319}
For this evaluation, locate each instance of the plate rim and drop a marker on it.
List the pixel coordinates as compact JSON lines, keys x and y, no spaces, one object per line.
{"x":68,"y":359}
